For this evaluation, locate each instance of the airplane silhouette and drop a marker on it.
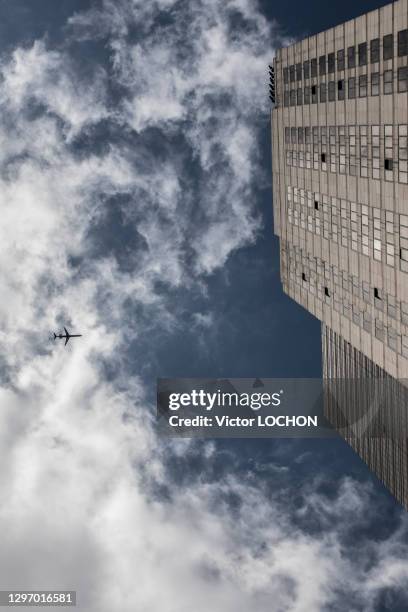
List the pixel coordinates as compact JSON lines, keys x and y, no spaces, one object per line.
{"x":67,"y":336}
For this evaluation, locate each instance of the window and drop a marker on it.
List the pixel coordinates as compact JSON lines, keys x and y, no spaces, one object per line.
{"x":403,"y":79}
{"x":299,"y":97}
{"x":362,"y":54}
{"x":331,"y":62}
{"x":403,"y":154}
{"x":388,"y":165}
{"x":402,"y":43}
{"x":326,"y":292}
{"x":377,"y":294}
{"x":375,"y":83}
{"x":340,"y":89}
{"x":322,"y":64}
{"x":298,"y":72}
{"x":375,"y":144}
{"x":291,"y":73}
{"x":332,"y":91}
{"x":292,"y":97}
{"x":340,"y":59}
{"x":316,"y":205}
{"x":388,"y":82}
{"x":286,"y":98}
{"x":352,"y":87}
{"x":304,"y":277}
{"x":306,"y":94}
{"x":293,"y":133}
{"x":375,"y":50}
{"x":323,"y":92}
{"x":286,"y":75}
{"x":313,"y":67}
{"x":323,"y":159}
{"x":314,"y":94}
{"x":287,"y":134}
{"x":388,"y":46}
{"x":306,"y":69}
{"x":362,"y":86}
{"x":300,"y":135}
{"x":351,"y":57}
{"x":388,"y":152}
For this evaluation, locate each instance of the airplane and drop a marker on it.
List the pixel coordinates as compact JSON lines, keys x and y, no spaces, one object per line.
{"x":67,"y":336}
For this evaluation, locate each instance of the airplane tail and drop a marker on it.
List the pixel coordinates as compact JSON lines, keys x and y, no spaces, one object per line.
{"x":55,"y":336}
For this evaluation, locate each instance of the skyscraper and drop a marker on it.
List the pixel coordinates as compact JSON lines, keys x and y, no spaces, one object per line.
{"x":340,"y":192}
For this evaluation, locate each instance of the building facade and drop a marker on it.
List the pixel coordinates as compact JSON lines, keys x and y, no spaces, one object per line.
{"x":340,"y":183}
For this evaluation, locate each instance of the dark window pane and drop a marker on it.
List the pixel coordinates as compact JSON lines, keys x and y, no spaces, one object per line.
{"x":388,"y":165}
{"x":286,"y":75}
{"x":287,"y":134}
{"x":323,"y":90}
{"x":340,"y":59}
{"x":330,"y":62}
{"x":403,"y":79}
{"x":306,"y":69}
{"x":351,"y":57}
{"x":352,"y":87}
{"x":375,"y":83}
{"x":298,"y":72}
{"x":291,"y":73}
{"x":293,"y":97}
{"x":300,"y":135}
{"x":340,"y":89}
{"x":403,"y":43}
{"x":362,"y":54}
{"x":388,"y":84}
{"x":313,"y":67}
{"x":307,"y":95}
{"x":293,"y":135}
{"x":286,"y":98}
{"x":388,"y":46}
{"x":362,"y":86}
{"x":299,"y":97}
{"x":322,"y":64}
{"x":332,"y":91}
{"x":375,"y":50}
{"x":314,"y":94}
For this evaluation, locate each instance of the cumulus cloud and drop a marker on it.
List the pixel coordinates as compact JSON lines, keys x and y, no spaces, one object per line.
{"x":119,"y":186}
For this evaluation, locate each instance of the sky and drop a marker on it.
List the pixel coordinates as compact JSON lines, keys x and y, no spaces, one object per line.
{"x":136,"y":209}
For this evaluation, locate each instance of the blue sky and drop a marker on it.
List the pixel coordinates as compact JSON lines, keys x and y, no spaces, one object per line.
{"x":136,"y":208}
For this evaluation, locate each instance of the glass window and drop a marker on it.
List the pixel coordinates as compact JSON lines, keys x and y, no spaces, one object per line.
{"x":375,"y":83}
{"x":362,"y":86}
{"x":298,"y":72}
{"x":322,"y":64}
{"x":300,"y":135}
{"x":362,"y":54}
{"x":351,"y":57}
{"x":293,"y":132}
{"x":403,"y":79}
{"x":286,"y":98}
{"x":352,"y":87}
{"x":292,"y":97}
{"x":314,"y":94}
{"x":287,"y":134}
{"x":286,"y":75}
{"x":291,"y":73}
{"x":299,"y":97}
{"x":340,"y":59}
{"x":313,"y":67}
{"x":323,"y":92}
{"x":375,"y":50}
{"x":402,"y":43}
{"x":331,"y":62}
{"x":306,"y":69}
{"x":388,"y":88}
{"x":332,"y":91}
{"x":306,"y":98}
{"x":388,"y":46}
{"x":340,"y":89}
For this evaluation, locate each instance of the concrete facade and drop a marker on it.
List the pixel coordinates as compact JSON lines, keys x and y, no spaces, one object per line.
{"x":340,"y":194}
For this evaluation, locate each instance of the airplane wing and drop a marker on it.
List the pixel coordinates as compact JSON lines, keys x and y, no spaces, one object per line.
{"x":66,"y":339}
{"x":66,"y":331}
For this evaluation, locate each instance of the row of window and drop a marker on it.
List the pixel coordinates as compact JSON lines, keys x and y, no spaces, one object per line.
{"x":356,"y":150}
{"x":359,"y":302}
{"x":369,"y":231}
{"x":360,"y":56}
{"x":356,"y":88}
